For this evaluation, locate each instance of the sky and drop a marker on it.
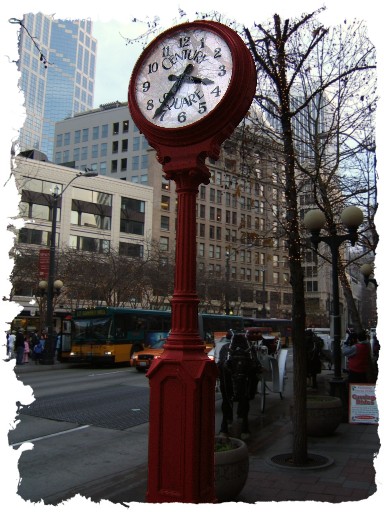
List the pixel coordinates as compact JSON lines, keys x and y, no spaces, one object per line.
{"x":112,"y":23}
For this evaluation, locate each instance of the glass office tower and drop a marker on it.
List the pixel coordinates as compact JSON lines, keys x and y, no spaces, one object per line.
{"x":60,"y":87}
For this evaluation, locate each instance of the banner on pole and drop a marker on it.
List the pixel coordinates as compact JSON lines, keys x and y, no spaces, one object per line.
{"x":43,"y":263}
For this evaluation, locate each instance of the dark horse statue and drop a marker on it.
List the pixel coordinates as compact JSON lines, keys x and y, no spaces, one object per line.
{"x":239,"y":369}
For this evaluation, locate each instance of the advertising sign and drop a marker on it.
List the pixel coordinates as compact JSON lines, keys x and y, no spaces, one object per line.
{"x":362,"y":404}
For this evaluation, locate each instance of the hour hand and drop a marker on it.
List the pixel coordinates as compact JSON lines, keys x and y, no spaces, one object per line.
{"x":179,"y":80}
{"x":192,"y":79}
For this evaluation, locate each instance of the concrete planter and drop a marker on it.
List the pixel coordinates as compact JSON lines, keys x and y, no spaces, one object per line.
{"x":231,"y":469}
{"x":324,"y":415}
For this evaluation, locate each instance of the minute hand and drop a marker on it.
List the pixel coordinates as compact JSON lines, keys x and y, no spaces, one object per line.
{"x":176,"y":86}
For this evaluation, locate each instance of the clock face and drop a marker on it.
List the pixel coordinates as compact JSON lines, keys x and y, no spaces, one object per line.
{"x":183,"y":77}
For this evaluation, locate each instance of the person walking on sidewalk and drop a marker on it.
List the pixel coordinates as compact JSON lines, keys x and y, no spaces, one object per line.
{"x":19,"y":347}
{"x":358,"y":351}
{"x":26,"y":349}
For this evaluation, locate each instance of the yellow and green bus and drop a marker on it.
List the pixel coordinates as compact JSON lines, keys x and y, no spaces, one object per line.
{"x":107,"y":335}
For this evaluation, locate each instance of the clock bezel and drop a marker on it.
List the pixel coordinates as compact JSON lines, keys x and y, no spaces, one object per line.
{"x":226,"y":115}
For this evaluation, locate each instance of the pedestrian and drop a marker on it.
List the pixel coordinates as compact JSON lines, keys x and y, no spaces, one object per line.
{"x":38,"y":351}
{"x":27,"y":349}
{"x":357,"y":349}
{"x":19,"y":347}
{"x":59,"y":340}
{"x":11,"y":344}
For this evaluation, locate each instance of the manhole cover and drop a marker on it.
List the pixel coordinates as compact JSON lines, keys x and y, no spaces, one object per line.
{"x":314,"y":461}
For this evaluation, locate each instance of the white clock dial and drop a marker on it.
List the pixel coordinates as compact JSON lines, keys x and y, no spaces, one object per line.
{"x":184,"y":77}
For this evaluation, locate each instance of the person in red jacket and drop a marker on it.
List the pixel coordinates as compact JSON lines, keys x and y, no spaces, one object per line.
{"x":358,"y":351}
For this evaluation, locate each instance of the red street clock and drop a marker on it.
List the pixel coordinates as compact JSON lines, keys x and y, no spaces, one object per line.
{"x":193,"y":83}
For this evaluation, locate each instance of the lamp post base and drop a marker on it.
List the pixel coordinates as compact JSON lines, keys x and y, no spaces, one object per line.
{"x":182,"y":427}
{"x":339,"y":388}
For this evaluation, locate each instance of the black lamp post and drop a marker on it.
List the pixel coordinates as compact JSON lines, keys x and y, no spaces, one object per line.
{"x":367,"y":270}
{"x":50,"y":346}
{"x":227,"y":269}
{"x":314,"y":220}
{"x":264,"y":298}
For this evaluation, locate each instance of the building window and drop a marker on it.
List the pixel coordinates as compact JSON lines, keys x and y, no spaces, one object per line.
{"x":165,"y":203}
{"x":115,"y":146}
{"x":113,"y":165}
{"x":124,"y":145}
{"x":136,"y":143}
{"x":164,"y":243}
{"x":202,"y":211}
{"x":202,"y":192}
{"x":85,"y":135}
{"x":59,"y":140}
{"x":202,"y":230}
{"x":164,"y":223}
{"x":135,"y":163}
{"x":125,"y":126}
{"x":201,"y":250}
{"x":133,"y":227}
{"x":211,"y":251}
{"x":33,"y":236}
{"x":144,"y":161}
{"x":124,"y":164}
{"x":211,"y":232}
{"x":76,"y":154}
{"x":77,"y":136}
{"x":312,"y":286}
{"x":165,"y":184}
{"x":84,"y":153}
{"x":103,"y":149}
{"x":95,"y":133}
{"x":115,"y":128}
{"x":95,"y":150}
{"x":104,"y":131}
{"x":131,"y":250}
{"x":88,"y":244}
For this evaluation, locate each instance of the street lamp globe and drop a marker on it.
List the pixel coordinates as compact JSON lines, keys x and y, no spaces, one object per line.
{"x":43,"y":285}
{"x":58,"y":284}
{"x":352,"y":217}
{"x":366,"y":269}
{"x":314,"y":220}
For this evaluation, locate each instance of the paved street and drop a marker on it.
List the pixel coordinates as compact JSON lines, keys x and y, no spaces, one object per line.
{"x":95,"y":446}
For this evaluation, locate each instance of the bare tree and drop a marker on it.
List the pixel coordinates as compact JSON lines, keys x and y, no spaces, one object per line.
{"x":284,"y":53}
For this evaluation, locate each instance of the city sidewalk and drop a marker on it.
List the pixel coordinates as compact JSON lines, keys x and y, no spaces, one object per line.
{"x":351,"y":451}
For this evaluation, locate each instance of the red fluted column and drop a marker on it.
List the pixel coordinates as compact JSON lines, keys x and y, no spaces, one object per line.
{"x":182,"y":381}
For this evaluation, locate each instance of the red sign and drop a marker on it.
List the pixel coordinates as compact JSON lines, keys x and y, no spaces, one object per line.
{"x":43,"y":263}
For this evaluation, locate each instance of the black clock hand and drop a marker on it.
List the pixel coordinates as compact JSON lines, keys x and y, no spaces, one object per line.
{"x":179,"y":82}
{"x":192,"y":79}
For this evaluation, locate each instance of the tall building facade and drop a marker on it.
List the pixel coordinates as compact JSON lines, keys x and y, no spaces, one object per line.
{"x":95,"y":215}
{"x":241,"y":253}
{"x":57,"y":60}
{"x":104,"y":139}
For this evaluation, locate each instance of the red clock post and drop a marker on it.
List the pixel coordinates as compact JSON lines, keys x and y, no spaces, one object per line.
{"x":189,"y":90}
